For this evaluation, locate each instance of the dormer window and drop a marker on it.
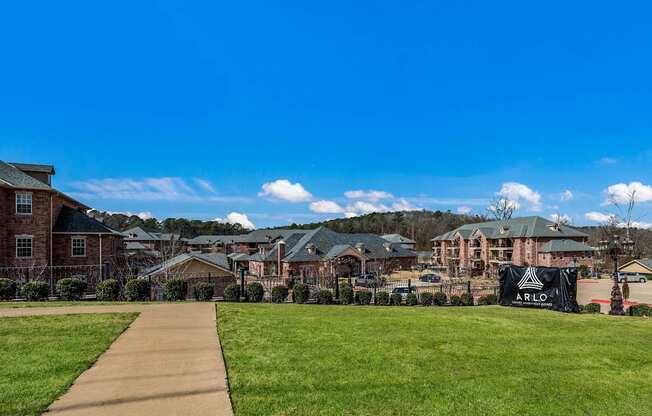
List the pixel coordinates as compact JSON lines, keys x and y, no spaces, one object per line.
{"x":554,"y":227}
{"x":504,"y":230}
{"x":387,"y":246}
{"x":311,"y":248}
{"x":23,"y":203}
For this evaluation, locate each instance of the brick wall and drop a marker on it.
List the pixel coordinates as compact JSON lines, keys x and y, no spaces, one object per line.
{"x":62,"y":249}
{"x":4,"y":195}
{"x":36,"y":225}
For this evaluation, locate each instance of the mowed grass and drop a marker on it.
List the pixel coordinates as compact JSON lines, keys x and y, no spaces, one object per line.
{"x":332,"y":360}
{"x":40,"y":356}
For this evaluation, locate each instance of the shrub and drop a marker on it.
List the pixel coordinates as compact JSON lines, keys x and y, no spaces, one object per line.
{"x":590,"y":308}
{"x":381,"y":299}
{"x":279,"y":294}
{"x":232,"y":293}
{"x":640,"y":310}
{"x":35,"y":291}
{"x":175,"y":289}
{"x":70,"y":288}
{"x":136,"y":290}
{"x":439,"y":298}
{"x":584,"y":271}
{"x":346,"y":294}
{"x":488,"y":300}
{"x":427,"y":298}
{"x":203,"y":291}
{"x":467,"y":299}
{"x":324,"y":297}
{"x":395,"y":299}
{"x":411,"y":299}
{"x":107,"y":290}
{"x":7,"y":289}
{"x":456,"y":300}
{"x":255,"y":292}
{"x":363,"y":297}
{"x":301,"y":293}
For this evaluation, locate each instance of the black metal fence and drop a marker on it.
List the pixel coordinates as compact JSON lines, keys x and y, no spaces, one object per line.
{"x":91,"y":275}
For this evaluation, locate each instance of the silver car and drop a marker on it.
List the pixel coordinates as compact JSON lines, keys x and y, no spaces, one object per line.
{"x":631,"y":277}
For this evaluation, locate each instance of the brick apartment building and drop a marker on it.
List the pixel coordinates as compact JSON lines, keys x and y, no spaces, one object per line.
{"x":40,"y":226}
{"x":323,"y":252}
{"x":480,"y":249}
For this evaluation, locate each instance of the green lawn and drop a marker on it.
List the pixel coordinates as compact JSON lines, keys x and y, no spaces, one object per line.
{"x":331,"y":360}
{"x":40,"y":356}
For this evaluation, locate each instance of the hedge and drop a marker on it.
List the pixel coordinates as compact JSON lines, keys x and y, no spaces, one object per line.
{"x":640,"y":310}
{"x":232,"y":293}
{"x":136,"y":290}
{"x":456,"y":300}
{"x":411,"y":299}
{"x":363,"y":297}
{"x":203,"y":291}
{"x":467,"y":299}
{"x":590,"y":308}
{"x":301,"y":293}
{"x":381,"y":299}
{"x":7,"y":289}
{"x":427,"y":298}
{"x":280,"y":294}
{"x":488,"y":300}
{"x":70,"y":289}
{"x":175,"y":289}
{"x":255,"y":292}
{"x":35,"y":291}
{"x":395,"y":299}
{"x":107,"y":290}
{"x":346,"y":294}
{"x":439,"y":298}
{"x":324,"y":297}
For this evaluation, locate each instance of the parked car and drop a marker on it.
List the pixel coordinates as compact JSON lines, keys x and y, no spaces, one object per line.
{"x":430,"y":278}
{"x":369,"y":280}
{"x":404,"y":290}
{"x":631,"y":277}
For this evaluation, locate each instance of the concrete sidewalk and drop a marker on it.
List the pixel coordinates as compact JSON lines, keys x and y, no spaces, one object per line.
{"x":167,"y":363}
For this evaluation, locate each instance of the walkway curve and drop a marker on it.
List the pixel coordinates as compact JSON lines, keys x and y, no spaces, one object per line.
{"x":168,"y":362}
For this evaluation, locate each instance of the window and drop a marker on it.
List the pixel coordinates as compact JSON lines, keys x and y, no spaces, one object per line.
{"x":24,"y":247}
{"x":79,"y":247}
{"x":23,"y":203}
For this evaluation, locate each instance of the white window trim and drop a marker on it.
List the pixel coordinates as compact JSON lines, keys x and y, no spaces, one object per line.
{"x":31,"y":246}
{"x":31,"y":203}
{"x":72,"y":246}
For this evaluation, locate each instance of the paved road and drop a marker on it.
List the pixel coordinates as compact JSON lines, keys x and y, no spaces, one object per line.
{"x":167,"y":363}
{"x":591,"y":290}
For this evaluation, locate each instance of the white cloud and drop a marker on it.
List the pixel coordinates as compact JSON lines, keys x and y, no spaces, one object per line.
{"x":519,"y":193}
{"x":621,"y":193}
{"x":146,"y":189}
{"x":403,"y":205}
{"x":205,"y":185}
{"x":567,"y":195}
{"x":370,"y":195}
{"x":285,"y":190}
{"x":242,"y":219}
{"x":464,"y":210}
{"x":218,"y":219}
{"x":363,"y":207}
{"x":598,"y":217}
{"x":606,"y":161}
{"x":326,"y":207}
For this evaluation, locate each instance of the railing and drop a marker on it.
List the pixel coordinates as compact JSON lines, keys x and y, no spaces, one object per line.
{"x":90,"y":274}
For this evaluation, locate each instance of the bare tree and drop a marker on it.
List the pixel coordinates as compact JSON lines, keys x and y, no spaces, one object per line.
{"x":501,"y":208}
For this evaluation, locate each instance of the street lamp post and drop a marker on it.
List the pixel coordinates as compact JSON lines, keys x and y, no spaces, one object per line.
{"x":615,"y":248}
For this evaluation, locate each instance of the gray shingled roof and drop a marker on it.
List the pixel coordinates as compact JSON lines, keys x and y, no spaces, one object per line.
{"x":564,"y":246}
{"x":134,"y":245}
{"x":219,"y":260}
{"x":522,"y":227}
{"x":212,"y":239}
{"x":32,"y":167}
{"x":142,"y":235}
{"x":11,"y":176}
{"x":397,"y":238}
{"x":73,"y":221}
{"x":325,"y":239}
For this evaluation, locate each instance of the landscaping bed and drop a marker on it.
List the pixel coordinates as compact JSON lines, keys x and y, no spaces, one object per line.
{"x":41,"y":356}
{"x":342,"y":360}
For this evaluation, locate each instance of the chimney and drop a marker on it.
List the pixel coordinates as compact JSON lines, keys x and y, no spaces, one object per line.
{"x":281,"y":256}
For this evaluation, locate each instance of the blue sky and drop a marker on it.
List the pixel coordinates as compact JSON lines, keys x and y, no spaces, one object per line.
{"x":190,"y":108}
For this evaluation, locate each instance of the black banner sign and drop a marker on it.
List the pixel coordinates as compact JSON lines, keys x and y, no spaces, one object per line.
{"x":539,"y":287}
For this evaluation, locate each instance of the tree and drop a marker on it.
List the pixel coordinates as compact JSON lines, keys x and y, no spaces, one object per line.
{"x":502,"y":209}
